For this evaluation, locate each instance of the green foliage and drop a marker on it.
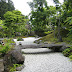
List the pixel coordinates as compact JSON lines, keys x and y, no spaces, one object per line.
{"x":69,"y":26}
{"x":5,"y":6}
{"x":49,"y":32}
{"x":12,"y":69}
{"x":6,"y":47}
{"x":12,"y":17}
{"x":38,"y":17}
{"x":49,"y":38}
{"x":38,"y":20}
{"x":8,"y":40}
{"x":19,"y":39}
{"x":14,"y":23}
{"x":64,"y":32}
{"x":70,"y":57}
{"x":68,"y":22}
{"x":67,"y":52}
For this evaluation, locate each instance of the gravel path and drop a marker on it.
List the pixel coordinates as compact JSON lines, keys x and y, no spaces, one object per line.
{"x":46,"y":62}
{"x":27,"y":41}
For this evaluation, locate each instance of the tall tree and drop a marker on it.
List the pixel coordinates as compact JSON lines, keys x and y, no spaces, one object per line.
{"x":5,"y":5}
{"x":58,"y":8}
{"x":39,"y":14}
{"x":14,"y":21}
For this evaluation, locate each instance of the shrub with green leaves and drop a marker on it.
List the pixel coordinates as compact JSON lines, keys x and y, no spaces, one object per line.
{"x":6,"y":47}
{"x":67,"y":52}
{"x":69,"y":27}
{"x":12,"y":69}
{"x":8,"y":40}
{"x":19,"y":39}
{"x":70,"y":57}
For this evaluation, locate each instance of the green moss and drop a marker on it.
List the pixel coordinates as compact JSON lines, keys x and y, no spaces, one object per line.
{"x":49,"y":38}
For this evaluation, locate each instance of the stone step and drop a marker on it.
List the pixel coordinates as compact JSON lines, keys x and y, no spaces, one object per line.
{"x":36,"y":50}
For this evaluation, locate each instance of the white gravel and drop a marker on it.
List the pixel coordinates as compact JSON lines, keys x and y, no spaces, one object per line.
{"x":36,"y":50}
{"x":45,"y":62}
{"x":50,"y":62}
{"x":27,"y":41}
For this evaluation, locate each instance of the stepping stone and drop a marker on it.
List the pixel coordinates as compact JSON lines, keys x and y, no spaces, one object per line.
{"x":36,"y":50}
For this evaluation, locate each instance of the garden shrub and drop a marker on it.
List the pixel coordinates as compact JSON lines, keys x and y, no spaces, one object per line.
{"x":19,"y":39}
{"x":70,"y":57}
{"x":6,"y":47}
{"x":8,"y":40}
{"x":12,"y":69}
{"x":67,"y":52}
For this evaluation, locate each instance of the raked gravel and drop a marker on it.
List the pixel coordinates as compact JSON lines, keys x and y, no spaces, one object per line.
{"x":43,"y":62}
{"x":49,"y":62}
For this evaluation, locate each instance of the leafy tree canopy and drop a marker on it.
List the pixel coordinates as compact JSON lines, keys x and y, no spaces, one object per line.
{"x":5,"y":5}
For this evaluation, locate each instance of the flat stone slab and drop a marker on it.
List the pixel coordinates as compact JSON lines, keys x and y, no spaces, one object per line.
{"x":51,"y":45}
{"x":36,"y":50}
{"x":55,"y":47}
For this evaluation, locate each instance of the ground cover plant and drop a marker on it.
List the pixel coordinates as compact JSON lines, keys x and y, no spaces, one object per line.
{"x":68,"y":53}
{"x":6,"y":47}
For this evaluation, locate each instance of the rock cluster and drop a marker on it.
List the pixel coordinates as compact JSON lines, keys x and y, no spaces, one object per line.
{"x":12,"y":57}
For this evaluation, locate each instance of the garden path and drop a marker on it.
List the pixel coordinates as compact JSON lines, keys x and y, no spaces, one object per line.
{"x":44,"y":60}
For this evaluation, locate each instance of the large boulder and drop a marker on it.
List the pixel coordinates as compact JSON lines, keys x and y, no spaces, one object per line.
{"x":38,"y":41}
{"x":1,"y":65}
{"x":54,"y":47}
{"x":18,"y":47}
{"x":65,"y":46}
{"x":12,"y":57}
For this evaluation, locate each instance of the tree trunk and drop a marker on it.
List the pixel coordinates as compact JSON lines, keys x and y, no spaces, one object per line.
{"x":54,"y":32}
{"x":59,"y":36}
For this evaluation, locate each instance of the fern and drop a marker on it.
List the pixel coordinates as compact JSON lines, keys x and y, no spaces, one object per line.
{"x":69,"y":21}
